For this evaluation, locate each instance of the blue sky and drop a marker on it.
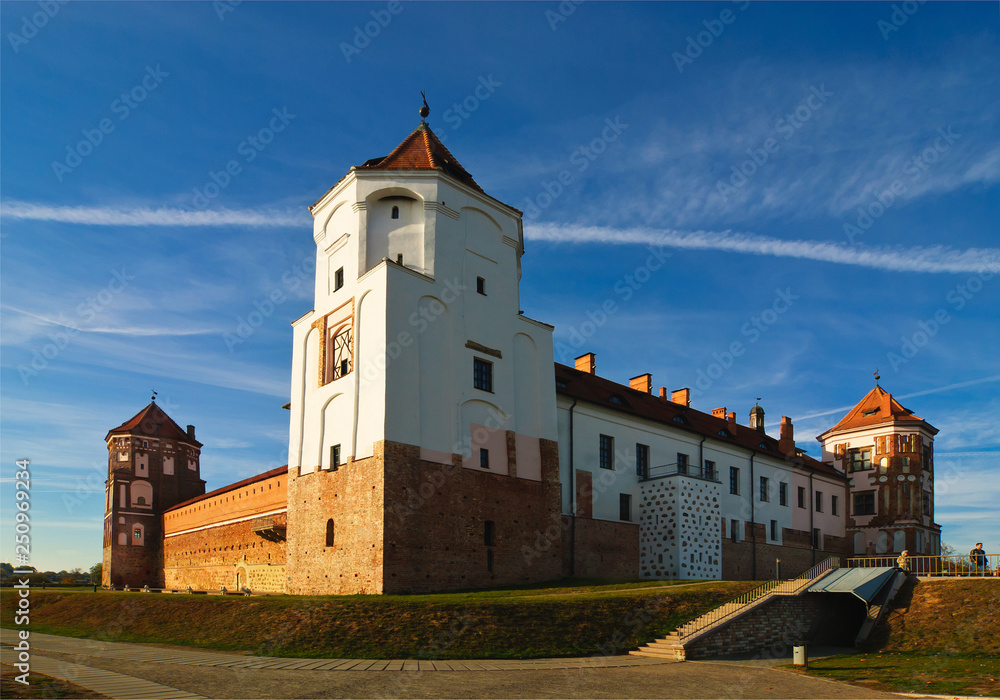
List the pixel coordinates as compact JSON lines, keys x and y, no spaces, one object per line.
{"x":838,"y":162}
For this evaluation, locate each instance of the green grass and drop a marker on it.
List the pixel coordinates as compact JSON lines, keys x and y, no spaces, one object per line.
{"x":551,"y":620}
{"x":903,"y":672}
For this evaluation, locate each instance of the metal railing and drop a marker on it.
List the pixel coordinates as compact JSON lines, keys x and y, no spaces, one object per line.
{"x":688,"y":470}
{"x":741,"y":603}
{"x":934,"y":565}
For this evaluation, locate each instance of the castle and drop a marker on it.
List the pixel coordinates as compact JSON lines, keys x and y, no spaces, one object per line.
{"x":434,"y":444}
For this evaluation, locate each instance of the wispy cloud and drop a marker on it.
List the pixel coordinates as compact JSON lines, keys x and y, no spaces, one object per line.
{"x":147,"y":216}
{"x":129,"y":331}
{"x":919,"y":259}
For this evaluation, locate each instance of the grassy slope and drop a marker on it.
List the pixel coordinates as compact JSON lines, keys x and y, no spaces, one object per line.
{"x":519,"y":623}
{"x":939,"y":637}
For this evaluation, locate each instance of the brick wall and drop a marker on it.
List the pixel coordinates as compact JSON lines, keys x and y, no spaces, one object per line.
{"x":781,"y":621}
{"x":602,"y":548}
{"x":795,"y":552}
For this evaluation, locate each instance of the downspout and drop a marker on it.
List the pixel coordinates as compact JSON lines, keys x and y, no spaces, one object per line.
{"x":572,"y":497}
{"x":701,"y":455}
{"x":812,"y":526}
{"x":753,"y":523}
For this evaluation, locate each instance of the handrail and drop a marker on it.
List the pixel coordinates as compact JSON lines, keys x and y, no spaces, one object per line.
{"x":934,"y":565}
{"x":726,"y":610}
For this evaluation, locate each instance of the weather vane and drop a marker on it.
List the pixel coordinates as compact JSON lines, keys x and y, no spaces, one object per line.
{"x":425,"y":110}
{"x":876,"y":376}
{"x":153,"y":397}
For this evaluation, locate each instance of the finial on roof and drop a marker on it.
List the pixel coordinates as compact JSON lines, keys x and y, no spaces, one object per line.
{"x":425,"y":110}
{"x":153,"y":397}
{"x":876,"y":376}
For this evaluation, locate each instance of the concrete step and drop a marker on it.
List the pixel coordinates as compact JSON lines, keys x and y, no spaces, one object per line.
{"x":675,"y":655}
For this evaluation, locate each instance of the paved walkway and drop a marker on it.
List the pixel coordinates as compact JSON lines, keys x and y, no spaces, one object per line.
{"x":114,"y":685}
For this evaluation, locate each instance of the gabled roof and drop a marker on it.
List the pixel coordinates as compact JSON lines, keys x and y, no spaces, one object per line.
{"x":875,"y":408}
{"x":152,"y":421}
{"x":422,"y":150}
{"x":588,"y":387}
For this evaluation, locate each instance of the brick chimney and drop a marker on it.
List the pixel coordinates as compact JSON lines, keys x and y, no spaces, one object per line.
{"x":719,"y":413}
{"x":681,"y":396}
{"x":786,"y":443}
{"x":731,"y":417}
{"x":886,"y":406}
{"x":190,"y":432}
{"x":587,"y":363}
{"x":643,"y":383}
{"x":663,"y":393}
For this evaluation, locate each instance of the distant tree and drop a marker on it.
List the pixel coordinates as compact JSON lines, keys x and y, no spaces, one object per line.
{"x":948,"y":551}
{"x":95,"y":573}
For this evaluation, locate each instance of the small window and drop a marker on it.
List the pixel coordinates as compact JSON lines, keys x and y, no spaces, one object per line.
{"x":802,"y":497}
{"x":833,"y":505}
{"x":482,"y":375}
{"x":774,"y":530}
{"x":616,"y":399}
{"x":625,"y":507}
{"x":137,"y":533}
{"x":338,"y":279}
{"x":709,"y":471}
{"x":484,"y":458}
{"x":819,"y":501}
{"x":764,"y":488}
{"x":489,"y":533}
{"x":607,"y":452}
{"x":872,"y":412}
{"x":481,"y":285}
{"x":906,"y":465}
{"x":864,"y":503}
{"x":642,"y":460}
{"x":395,"y":212}
{"x":734,"y":530}
{"x":782,"y":493}
{"x":329,"y":532}
{"x":734,"y":481}
{"x":141,"y":500}
{"x":861,"y":460}
{"x":682,"y":463}
{"x":145,"y":443}
{"x":334,"y":457}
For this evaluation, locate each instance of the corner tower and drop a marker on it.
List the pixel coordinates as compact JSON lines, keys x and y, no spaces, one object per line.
{"x":152,"y":465}
{"x":888,"y":455}
{"x":422,"y":445}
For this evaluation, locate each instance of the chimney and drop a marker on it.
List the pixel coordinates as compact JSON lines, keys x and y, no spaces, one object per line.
{"x":191,"y":432}
{"x":663,"y":393}
{"x":731,"y":417}
{"x":587,"y":363}
{"x":886,"y":406}
{"x":643,"y":383}
{"x":719,"y":413}
{"x":681,"y":396}
{"x":786,"y":444}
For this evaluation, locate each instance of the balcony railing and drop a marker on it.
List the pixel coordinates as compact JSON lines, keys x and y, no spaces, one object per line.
{"x":684,"y":470}
{"x":934,"y":565}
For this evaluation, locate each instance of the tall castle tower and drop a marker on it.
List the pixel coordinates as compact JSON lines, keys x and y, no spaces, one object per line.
{"x":888,"y":454}
{"x":152,"y":465}
{"x":422,"y":444}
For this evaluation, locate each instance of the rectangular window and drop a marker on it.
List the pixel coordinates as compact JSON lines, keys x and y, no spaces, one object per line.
{"x":682,"y":463}
{"x":481,"y":285}
{"x":338,"y":279}
{"x":334,"y":457}
{"x":864,"y":503}
{"x":137,"y":533}
{"x":906,"y":465}
{"x":734,"y":480}
{"x":642,"y":460}
{"x":484,"y":458}
{"x":607,"y":452}
{"x":764,"y":495}
{"x":774,"y":530}
{"x":734,"y":530}
{"x":625,"y":507}
{"x":489,"y":533}
{"x":482,"y":375}
{"x":833,"y":505}
{"x":802,"y":497}
{"x":861,"y":459}
{"x":782,"y":493}
{"x":709,"y":472}
{"x":819,"y":501}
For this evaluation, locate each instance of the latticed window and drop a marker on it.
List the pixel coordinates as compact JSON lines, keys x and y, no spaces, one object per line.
{"x":342,"y":355}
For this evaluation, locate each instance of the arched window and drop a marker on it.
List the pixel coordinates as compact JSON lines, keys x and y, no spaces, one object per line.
{"x":329,"y":532}
{"x":123,"y":538}
{"x":395,"y":212}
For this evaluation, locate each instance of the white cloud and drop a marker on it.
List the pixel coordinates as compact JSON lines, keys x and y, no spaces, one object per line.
{"x":933,"y":259}
{"x":146,"y":216}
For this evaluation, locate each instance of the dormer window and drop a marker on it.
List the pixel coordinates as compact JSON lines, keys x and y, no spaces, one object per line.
{"x":395,"y":212}
{"x":872,"y":412}
{"x":679,"y":419}
{"x":617,"y":400}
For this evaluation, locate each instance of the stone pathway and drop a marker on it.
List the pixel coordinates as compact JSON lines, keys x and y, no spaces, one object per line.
{"x":114,"y":685}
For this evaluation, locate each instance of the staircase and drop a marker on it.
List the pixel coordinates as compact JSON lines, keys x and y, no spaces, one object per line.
{"x":672,"y":646}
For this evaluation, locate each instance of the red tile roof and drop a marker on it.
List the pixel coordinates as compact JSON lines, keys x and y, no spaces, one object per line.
{"x":232,"y":487}
{"x":422,"y":150}
{"x":152,"y":421}
{"x":618,"y":397}
{"x":875,"y":408}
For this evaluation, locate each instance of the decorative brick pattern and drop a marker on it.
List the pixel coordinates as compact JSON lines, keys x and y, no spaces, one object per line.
{"x":679,"y":528}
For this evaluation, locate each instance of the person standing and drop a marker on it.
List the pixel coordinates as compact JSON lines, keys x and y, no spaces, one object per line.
{"x":978,"y":558}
